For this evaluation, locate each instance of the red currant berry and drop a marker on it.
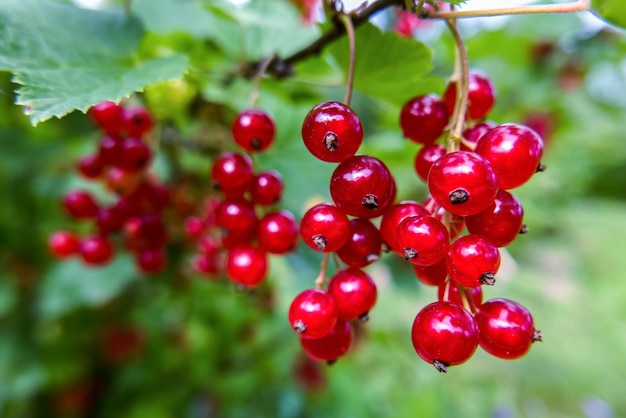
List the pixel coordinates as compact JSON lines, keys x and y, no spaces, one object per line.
{"x":481,"y":95}
{"x":455,"y":293}
{"x":444,"y":334}
{"x":463,"y":183}
{"x":246,"y":266}
{"x":151,"y":260}
{"x":501,"y":222}
{"x":267,"y":188}
{"x":514,"y":152}
{"x":423,"y":239}
{"x":110,"y":150}
{"x":425,"y":158}
{"x":472,"y":261}
{"x":330,"y":347}
{"x":423,"y":119}
{"x":473,"y":134}
{"x":108,"y":116}
{"x":236,"y":216}
{"x":253,"y":130}
{"x":354,"y":293}
{"x":278,"y":232}
{"x":325,"y":228}
{"x":313,"y":313}
{"x":135,"y":155}
{"x":392,"y":218}
{"x":96,"y":250}
{"x":90,"y":166}
{"x":232,"y":171}
{"x":109,"y":220}
{"x":80,"y":204}
{"x":207,"y":245}
{"x":206,"y":264}
{"x":506,"y":328}
{"x":332,"y":132}
{"x":362,"y":186}
{"x":432,"y":275}
{"x":194,"y":227}
{"x":363,"y":246}
{"x":137,"y":121}
{"x":122,"y":182}
{"x":63,"y":244}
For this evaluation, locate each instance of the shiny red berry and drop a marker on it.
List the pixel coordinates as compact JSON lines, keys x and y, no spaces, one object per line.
{"x":80,"y":204}
{"x":90,"y":166}
{"x":325,"y":228}
{"x":423,"y":119}
{"x":151,"y":260}
{"x":423,"y":239}
{"x":362,"y":186}
{"x":354,"y":293}
{"x":277,"y":232}
{"x":95,"y":250}
{"x":444,"y":334}
{"x":481,"y":95}
{"x":267,"y":188}
{"x":137,"y":121}
{"x":108,"y":116}
{"x":332,"y":346}
{"x":236,"y":216}
{"x":506,"y":328}
{"x":253,"y":130}
{"x":363,"y":246}
{"x":473,"y":134}
{"x":472,"y":261}
{"x":135,"y":155}
{"x":313,"y":313}
{"x":462,"y":182}
{"x":514,"y":151}
{"x":63,"y":244}
{"x":332,"y":132}
{"x":425,"y":158}
{"x":392,"y":218}
{"x":246,"y":266}
{"x":501,"y":222}
{"x":232,"y":171}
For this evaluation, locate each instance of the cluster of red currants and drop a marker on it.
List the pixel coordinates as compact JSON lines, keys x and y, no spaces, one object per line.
{"x":232,"y":237}
{"x":468,"y":183}
{"x":120,"y":163}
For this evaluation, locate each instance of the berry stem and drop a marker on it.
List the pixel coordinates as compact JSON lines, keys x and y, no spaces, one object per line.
{"x":349,"y":26}
{"x":261,"y":70}
{"x":467,"y":298}
{"x":577,"y":6}
{"x":462,"y":86}
{"x":446,"y":291}
{"x":321,"y":278}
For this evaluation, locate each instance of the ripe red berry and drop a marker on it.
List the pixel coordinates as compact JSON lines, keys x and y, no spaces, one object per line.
{"x":332,"y":132}
{"x":246,"y":266}
{"x":444,"y":334}
{"x":135,"y":155}
{"x":481,"y":95}
{"x":194,"y":227}
{"x":332,"y":346}
{"x":267,"y":188}
{"x":253,"y":130}
{"x":354,"y":293}
{"x":63,"y":244}
{"x":514,"y":151}
{"x":473,"y":134}
{"x":501,"y":222}
{"x":392,"y":218}
{"x":109,"y":220}
{"x":325,"y":228}
{"x":90,"y":166}
{"x":96,"y":250}
{"x":206,"y":264}
{"x":362,"y":186}
{"x":313,"y":313}
{"x":278,"y":232}
{"x":137,"y":121}
{"x":232,"y":171}
{"x":151,"y":260}
{"x":80,"y":204}
{"x":363,"y":246}
{"x":432,"y":275}
{"x":108,"y":116}
{"x":425,"y":158}
{"x":110,"y":150}
{"x":473,"y":260}
{"x":423,"y":119}
{"x":506,"y":328}
{"x":423,"y":239}
{"x":236,"y":216}
{"x":122,"y":182}
{"x":462,"y":182}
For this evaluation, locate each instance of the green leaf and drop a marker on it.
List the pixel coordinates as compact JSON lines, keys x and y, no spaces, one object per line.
{"x":610,"y":10}
{"x":388,"y":66}
{"x":72,"y":284}
{"x":67,"y":58}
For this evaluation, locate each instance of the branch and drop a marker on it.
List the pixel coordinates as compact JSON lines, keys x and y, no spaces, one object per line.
{"x":284,"y":67}
{"x":577,"y":6}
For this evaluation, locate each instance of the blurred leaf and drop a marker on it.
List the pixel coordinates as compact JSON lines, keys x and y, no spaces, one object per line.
{"x":388,"y":66}
{"x":610,"y":10}
{"x":8,"y":295}
{"x":71,"y":65}
{"x":72,"y":284}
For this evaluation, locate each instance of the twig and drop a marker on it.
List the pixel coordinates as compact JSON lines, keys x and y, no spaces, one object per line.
{"x":577,"y":6}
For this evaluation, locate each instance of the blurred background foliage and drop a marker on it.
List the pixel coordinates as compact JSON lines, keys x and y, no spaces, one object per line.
{"x":81,"y":342}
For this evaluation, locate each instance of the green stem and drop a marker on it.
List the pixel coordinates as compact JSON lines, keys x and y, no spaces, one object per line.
{"x":347,"y":23}
{"x":462,"y":86}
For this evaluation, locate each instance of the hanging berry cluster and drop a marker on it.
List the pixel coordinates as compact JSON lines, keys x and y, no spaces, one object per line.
{"x":120,"y":163}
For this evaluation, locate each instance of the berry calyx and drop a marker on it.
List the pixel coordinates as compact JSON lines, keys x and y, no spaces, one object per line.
{"x":332,"y":132}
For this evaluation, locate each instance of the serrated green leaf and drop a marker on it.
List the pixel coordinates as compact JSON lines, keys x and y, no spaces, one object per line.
{"x":388,"y":66}
{"x":67,"y":58}
{"x":610,"y":10}
{"x":72,"y":284}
